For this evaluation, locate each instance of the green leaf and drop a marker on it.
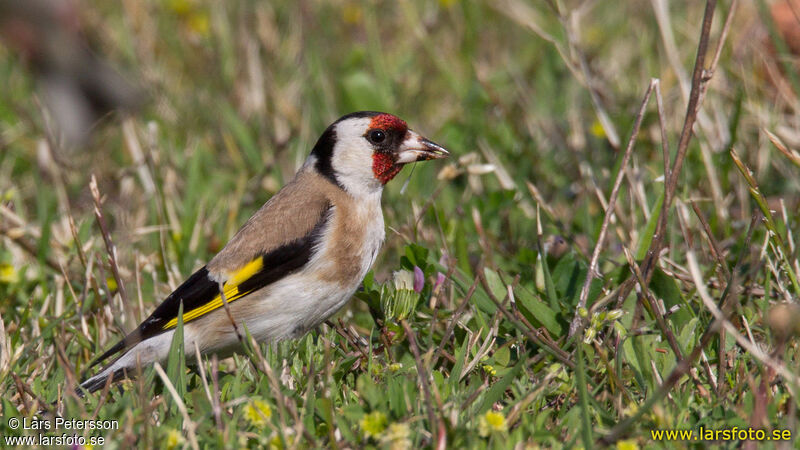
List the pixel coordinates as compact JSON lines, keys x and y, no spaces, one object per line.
{"x":498,"y":389}
{"x":462,"y":250}
{"x":646,"y":236}
{"x":310,"y":404}
{"x":583,"y":398}
{"x":325,"y":411}
{"x":688,"y":336}
{"x":549,"y":286}
{"x":365,"y":386}
{"x":496,"y":285}
{"x":630,"y":356}
{"x":568,"y":277}
{"x":666,"y":288}
{"x":502,"y":356}
{"x":537,"y":312}
{"x":176,"y":361}
{"x":9,"y":410}
{"x":458,"y":366}
{"x":416,"y":255}
{"x":484,"y":304}
{"x":397,"y":399}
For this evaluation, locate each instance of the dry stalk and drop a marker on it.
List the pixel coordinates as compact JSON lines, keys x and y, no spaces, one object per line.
{"x":592,"y":272}
{"x":110,"y":248}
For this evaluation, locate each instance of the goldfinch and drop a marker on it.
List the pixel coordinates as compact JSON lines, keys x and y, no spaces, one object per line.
{"x":297,"y":260}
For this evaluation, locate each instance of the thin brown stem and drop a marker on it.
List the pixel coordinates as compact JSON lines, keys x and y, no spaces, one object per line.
{"x":713,"y":245}
{"x":692,"y":109}
{"x":662,"y":126}
{"x":646,"y":295}
{"x":110,"y":248}
{"x":612,"y":201}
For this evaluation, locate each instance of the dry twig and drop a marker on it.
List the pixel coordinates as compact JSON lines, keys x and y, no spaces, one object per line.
{"x":592,"y":272}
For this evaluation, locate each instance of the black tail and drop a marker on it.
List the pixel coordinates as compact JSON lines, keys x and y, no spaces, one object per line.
{"x":99,"y":381}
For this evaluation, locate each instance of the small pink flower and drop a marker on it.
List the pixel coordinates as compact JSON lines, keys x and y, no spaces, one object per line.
{"x":439,"y":280}
{"x":419,"y":279}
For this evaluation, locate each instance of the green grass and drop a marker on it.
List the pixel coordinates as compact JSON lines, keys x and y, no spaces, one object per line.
{"x":239,"y":93}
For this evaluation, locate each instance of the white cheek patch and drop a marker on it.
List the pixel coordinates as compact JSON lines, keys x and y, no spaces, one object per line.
{"x":352,"y":158}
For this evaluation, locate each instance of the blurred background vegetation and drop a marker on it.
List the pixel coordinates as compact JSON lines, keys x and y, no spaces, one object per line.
{"x":535,"y":101}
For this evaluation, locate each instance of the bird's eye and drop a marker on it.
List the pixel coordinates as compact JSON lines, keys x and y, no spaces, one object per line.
{"x":376,"y":136}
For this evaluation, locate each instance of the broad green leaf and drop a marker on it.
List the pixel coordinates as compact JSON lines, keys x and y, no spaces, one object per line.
{"x":502,"y":356}
{"x":461,"y":354}
{"x":646,"y":236}
{"x":537,"y":312}
{"x":496,"y":285}
{"x":666,"y":288}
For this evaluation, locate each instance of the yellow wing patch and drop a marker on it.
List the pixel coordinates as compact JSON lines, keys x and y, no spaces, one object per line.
{"x":230,"y":288}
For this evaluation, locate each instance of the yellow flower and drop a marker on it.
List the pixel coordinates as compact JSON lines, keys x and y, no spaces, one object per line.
{"x":492,"y":422}
{"x":373,"y":424}
{"x":597,"y":129}
{"x":275,"y":442}
{"x":177,"y":236}
{"x":397,"y":437}
{"x":490,"y":370}
{"x":199,"y":23}
{"x":174,"y":439}
{"x":257,"y":412}
{"x":627,"y":445}
{"x":180,"y":7}
{"x":112,"y":284}
{"x":8,"y":273}
{"x":630,"y":410}
{"x":352,"y":14}
{"x":395,"y":367}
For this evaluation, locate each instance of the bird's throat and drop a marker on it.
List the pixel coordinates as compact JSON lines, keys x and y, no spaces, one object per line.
{"x":384,"y":167}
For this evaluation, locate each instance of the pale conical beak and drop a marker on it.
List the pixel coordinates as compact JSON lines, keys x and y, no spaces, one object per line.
{"x":417,"y":148}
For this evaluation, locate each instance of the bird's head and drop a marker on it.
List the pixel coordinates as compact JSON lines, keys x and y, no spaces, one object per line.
{"x":362,"y":151}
